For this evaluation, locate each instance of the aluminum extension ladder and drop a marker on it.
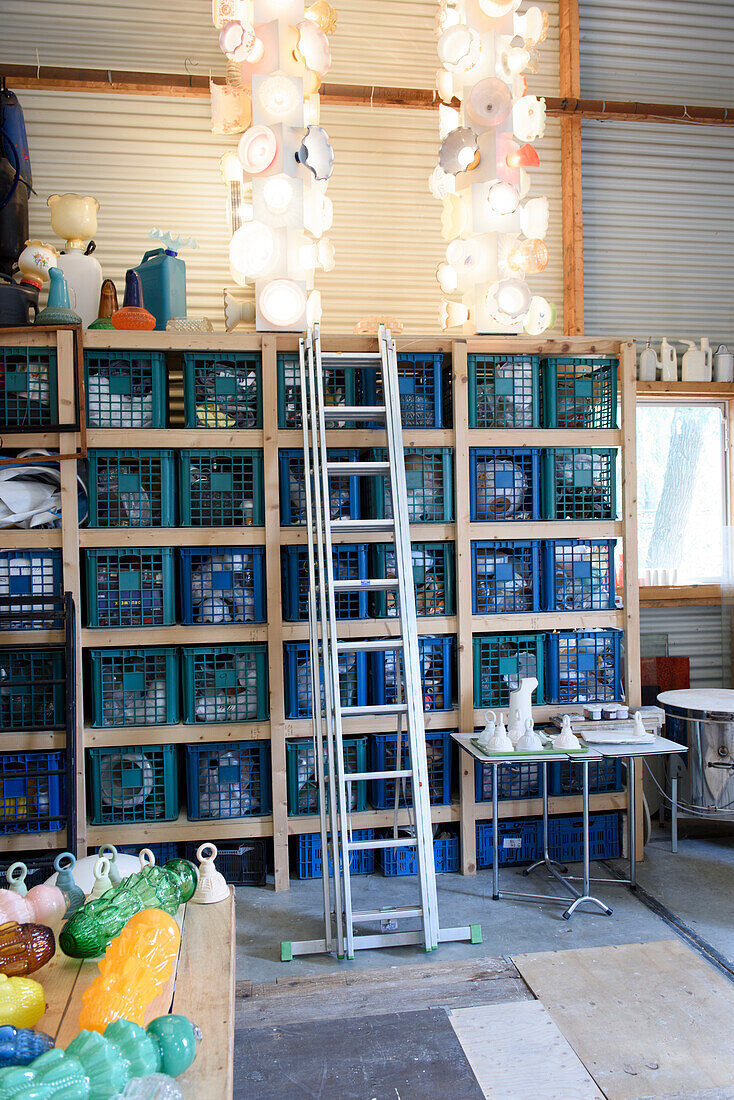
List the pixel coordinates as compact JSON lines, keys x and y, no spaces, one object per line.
{"x":343,"y":925}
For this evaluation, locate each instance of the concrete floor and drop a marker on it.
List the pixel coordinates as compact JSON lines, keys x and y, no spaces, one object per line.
{"x":694,"y":884}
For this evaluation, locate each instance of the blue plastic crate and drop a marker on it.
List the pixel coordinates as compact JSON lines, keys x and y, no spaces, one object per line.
{"x":422,"y":384}
{"x":308,"y":862}
{"x":520,"y":841}
{"x":404,"y":861}
{"x":436,"y":654}
{"x":344,"y":496}
{"x":605,"y":777}
{"x":566,"y":837}
{"x":297,"y":660}
{"x":32,"y":792}
{"x":519,"y":780}
{"x":505,"y":577}
{"x":384,"y":757}
{"x":584,"y":666}
{"x":504,"y":483}
{"x":349,"y":563}
{"x":228,"y":779}
{"x":31,"y":574}
{"x":578,"y":575}
{"x":222,"y":585}
{"x":162,"y":852}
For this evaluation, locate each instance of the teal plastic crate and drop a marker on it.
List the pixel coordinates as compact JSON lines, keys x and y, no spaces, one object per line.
{"x":28,"y":387}
{"x":429,"y":477}
{"x":33,"y":689}
{"x":501,"y":661}
{"x":303,"y":788}
{"x":222,"y":389}
{"x":434,"y":579}
{"x":226,"y":683}
{"x":131,"y":488}
{"x":132,"y":783}
{"x":580,"y":392}
{"x":131,"y":587}
{"x":134,"y":687}
{"x":579,"y":483}
{"x":504,"y":391}
{"x":125,"y":389}
{"x":342,"y":386}
{"x":221,"y":488}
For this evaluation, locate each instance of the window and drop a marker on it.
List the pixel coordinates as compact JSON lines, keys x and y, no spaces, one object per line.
{"x":681,"y":494}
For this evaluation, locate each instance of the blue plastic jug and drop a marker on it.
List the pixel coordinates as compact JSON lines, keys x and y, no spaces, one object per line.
{"x":163,"y":277}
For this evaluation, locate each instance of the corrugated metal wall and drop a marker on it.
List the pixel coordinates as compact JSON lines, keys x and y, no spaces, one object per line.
{"x":152,"y":160}
{"x":701,"y":633}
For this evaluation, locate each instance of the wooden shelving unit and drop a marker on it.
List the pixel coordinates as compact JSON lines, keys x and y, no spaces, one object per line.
{"x":272,"y":536}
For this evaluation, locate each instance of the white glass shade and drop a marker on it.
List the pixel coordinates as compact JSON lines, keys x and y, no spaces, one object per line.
{"x":532,"y":25}
{"x":455,"y":217}
{"x":311,"y":110}
{"x":316,"y":153}
{"x":503,"y":198}
{"x":459,"y":48}
{"x":313,"y":47}
{"x":445,"y":85}
{"x":239,"y":42}
{"x":495,"y":9}
{"x":224,"y":11}
{"x":282,"y":302}
{"x":508,"y":301}
{"x":534,"y":217}
{"x":313,"y":308}
{"x":448,"y":120}
{"x":541,"y":316}
{"x":514,"y":58}
{"x":489,"y":103}
{"x":279,"y":98}
{"x":278,"y":192}
{"x":447,"y":278}
{"x":251,"y":250}
{"x":452,"y":314}
{"x":528,"y":118}
{"x":325,"y":255}
{"x":469,"y":256}
{"x":257,"y":149}
{"x":231,"y":168}
{"x":323,"y":14}
{"x":441,"y":183}
{"x":318,"y":212}
{"x":446,"y":16}
{"x":458,"y":151}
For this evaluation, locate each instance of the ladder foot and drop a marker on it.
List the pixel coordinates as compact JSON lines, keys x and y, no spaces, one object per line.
{"x":286,"y":951}
{"x":475,"y":933}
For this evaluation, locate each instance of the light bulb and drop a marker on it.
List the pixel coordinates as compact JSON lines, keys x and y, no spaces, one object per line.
{"x":441,"y":183}
{"x":313,"y":308}
{"x":251,"y":250}
{"x":528,"y":257}
{"x":278,"y":194}
{"x":452,"y":314}
{"x":257,"y":149}
{"x":459,"y":48}
{"x":508,"y":300}
{"x":496,"y":9}
{"x":447,"y":278}
{"x":448,"y":120}
{"x":534,"y":217}
{"x":282,"y":302}
{"x":279,"y":97}
{"x":503,"y":198}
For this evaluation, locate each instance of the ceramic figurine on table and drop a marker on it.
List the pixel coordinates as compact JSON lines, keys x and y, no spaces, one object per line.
{"x":35,"y":262}
{"x":87,"y":934}
{"x":43,"y":904}
{"x":99,"y":1067}
{"x":22,"y":1002}
{"x":57,"y":311}
{"x":74,"y":219}
{"x":490,"y":724}
{"x":25,"y":948}
{"x":107,"y":306}
{"x":109,"y":851}
{"x":102,"y":882}
{"x":132,"y":315}
{"x":64,"y":865}
{"x":212,"y":885}
{"x":135,"y":967}
{"x":16,"y":875}
{"x":521,"y":707}
{"x":530,"y":740}
{"x":500,"y":742}
{"x":566,"y":740}
{"x":20,"y":1045}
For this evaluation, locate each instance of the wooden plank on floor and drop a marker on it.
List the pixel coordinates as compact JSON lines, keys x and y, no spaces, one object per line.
{"x":205,"y":993}
{"x":516,"y":1051}
{"x":69,"y":1025}
{"x":647,"y":1020}
{"x":58,"y":978}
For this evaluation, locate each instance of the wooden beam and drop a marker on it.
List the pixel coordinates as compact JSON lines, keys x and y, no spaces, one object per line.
{"x":571,"y":193}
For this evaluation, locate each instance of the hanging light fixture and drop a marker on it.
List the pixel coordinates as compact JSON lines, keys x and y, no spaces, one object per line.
{"x":278,"y":52}
{"x":496,"y":235}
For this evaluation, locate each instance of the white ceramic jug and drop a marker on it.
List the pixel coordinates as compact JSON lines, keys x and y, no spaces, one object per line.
{"x":723,"y":364}
{"x":668,"y":362}
{"x":647,"y":370}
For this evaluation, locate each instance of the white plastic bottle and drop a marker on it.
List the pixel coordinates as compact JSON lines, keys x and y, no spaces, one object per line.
{"x":647,"y":370}
{"x":668,"y":362}
{"x":693,"y":365}
{"x":84,"y":277}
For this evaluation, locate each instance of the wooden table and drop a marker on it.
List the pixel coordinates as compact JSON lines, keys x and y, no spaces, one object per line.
{"x":201,"y":988}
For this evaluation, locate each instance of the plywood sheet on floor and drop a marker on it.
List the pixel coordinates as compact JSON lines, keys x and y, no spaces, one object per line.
{"x":406,"y":1055}
{"x":353,"y":992}
{"x":647,"y":1020}
{"x":516,"y":1051}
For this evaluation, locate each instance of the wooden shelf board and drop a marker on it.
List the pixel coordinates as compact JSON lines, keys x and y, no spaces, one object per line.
{"x":32,"y":742}
{"x":557,"y":804}
{"x":374,"y":628}
{"x":214,"y":634}
{"x":419,"y":532}
{"x":547,"y":529}
{"x":33,"y":842}
{"x":180,"y":734}
{"x":373,"y":819}
{"x":22,"y":638}
{"x":91,"y":537}
{"x":433,"y":720}
{"x":709,"y":390}
{"x":548,"y":620}
{"x":158,"y":832}
{"x":37,"y":539}
{"x":544,"y":437}
{"x":176,"y":437}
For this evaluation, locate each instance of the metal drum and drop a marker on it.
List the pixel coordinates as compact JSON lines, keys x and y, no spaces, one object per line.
{"x":703,"y":719}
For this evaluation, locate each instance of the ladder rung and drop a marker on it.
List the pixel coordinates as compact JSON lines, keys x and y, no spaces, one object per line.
{"x":357,"y":469}
{"x":355,"y":584}
{"x":340,"y":355}
{"x":383,"y":708}
{"x":396,"y":912}
{"x":355,"y":412}
{"x":369,"y":645}
{"x":389,"y":842}
{"x":361,"y":526}
{"x":353,"y":777}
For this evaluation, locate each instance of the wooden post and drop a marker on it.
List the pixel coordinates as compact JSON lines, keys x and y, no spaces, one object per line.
{"x":571,"y":192}
{"x":274,"y":611}
{"x":65,"y":348}
{"x":464,"y":604}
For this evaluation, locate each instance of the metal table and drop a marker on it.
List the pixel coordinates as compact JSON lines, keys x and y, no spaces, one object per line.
{"x":661,"y":746}
{"x":552,"y":866}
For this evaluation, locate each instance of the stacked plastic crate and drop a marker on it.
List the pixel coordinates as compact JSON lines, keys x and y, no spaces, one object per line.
{"x":523,"y":576}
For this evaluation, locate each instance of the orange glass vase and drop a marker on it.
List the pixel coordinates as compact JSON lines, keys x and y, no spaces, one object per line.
{"x":135,"y":967}
{"x":24,"y":948}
